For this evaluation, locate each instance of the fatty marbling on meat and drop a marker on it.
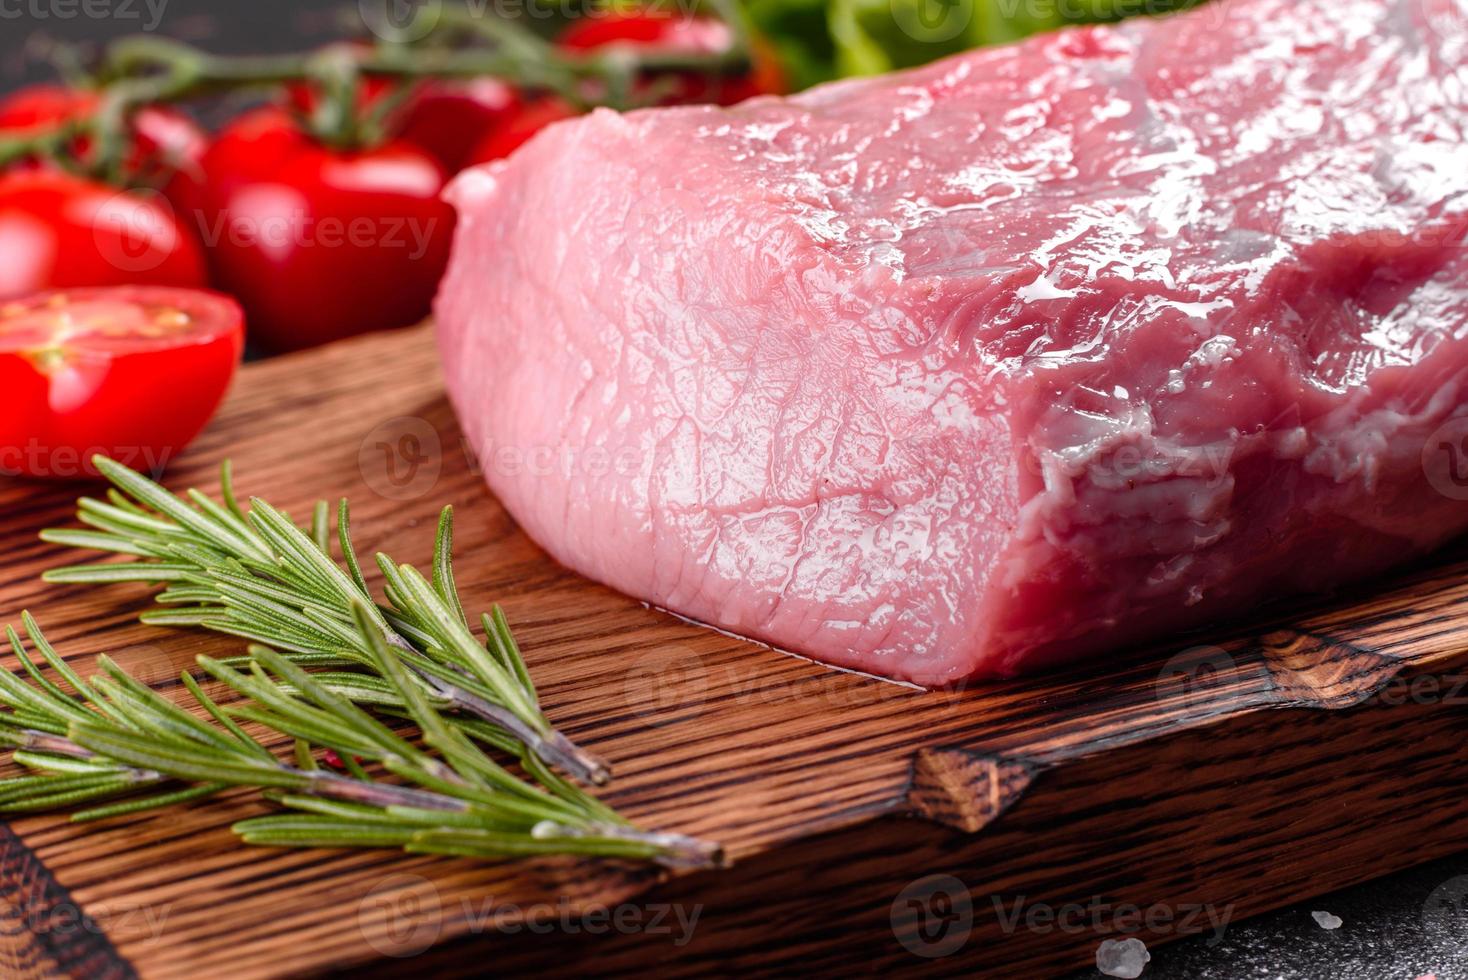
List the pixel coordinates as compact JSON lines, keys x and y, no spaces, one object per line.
{"x":1010,"y":359}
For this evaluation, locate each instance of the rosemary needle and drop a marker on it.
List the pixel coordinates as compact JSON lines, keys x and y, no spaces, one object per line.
{"x":255,"y":574}
{"x":115,"y":738}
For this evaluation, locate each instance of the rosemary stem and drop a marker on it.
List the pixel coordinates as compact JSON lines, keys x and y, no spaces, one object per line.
{"x":673,"y":850}
{"x":55,"y":744}
{"x":332,"y":786}
{"x":550,"y":746}
{"x":26,"y":738}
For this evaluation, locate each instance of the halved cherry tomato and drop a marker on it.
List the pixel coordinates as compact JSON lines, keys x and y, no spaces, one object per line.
{"x":662,"y":30}
{"x":134,"y":373}
{"x":165,"y":141}
{"x":320,"y":244}
{"x":59,"y":231}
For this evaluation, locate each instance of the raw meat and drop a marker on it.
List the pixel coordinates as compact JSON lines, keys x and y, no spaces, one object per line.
{"x":1007,"y":360}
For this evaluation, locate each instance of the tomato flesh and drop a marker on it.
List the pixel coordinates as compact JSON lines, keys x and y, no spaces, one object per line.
{"x":134,"y":373}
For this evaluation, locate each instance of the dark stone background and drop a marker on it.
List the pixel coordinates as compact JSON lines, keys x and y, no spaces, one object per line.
{"x":234,"y":26}
{"x":1385,"y":934}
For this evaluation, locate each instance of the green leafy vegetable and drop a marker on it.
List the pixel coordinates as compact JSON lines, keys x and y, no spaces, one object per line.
{"x":823,"y":39}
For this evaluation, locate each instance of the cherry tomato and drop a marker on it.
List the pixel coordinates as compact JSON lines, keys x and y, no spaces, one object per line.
{"x":451,"y":118}
{"x":134,"y":373}
{"x":659,"y":30}
{"x":164,"y":140}
{"x":447,"y":118}
{"x":304,"y":97}
{"x":59,"y":231}
{"x":320,"y":244}
{"x":516,"y":130}
{"x":650,"y":29}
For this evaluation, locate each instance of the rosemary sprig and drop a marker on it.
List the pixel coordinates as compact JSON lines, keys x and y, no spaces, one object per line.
{"x":115,"y":737}
{"x":256,"y":575}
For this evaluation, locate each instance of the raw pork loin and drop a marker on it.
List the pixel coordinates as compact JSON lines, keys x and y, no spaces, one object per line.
{"x":1009,"y":359}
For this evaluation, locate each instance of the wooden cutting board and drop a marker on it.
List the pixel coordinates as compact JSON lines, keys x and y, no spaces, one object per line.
{"x":1224,"y":773}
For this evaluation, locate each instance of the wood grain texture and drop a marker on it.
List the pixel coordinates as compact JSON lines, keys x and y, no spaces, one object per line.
{"x":1238,"y":770}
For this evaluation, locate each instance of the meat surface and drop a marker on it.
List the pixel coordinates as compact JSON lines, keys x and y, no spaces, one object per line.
{"x":1014,"y":358}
